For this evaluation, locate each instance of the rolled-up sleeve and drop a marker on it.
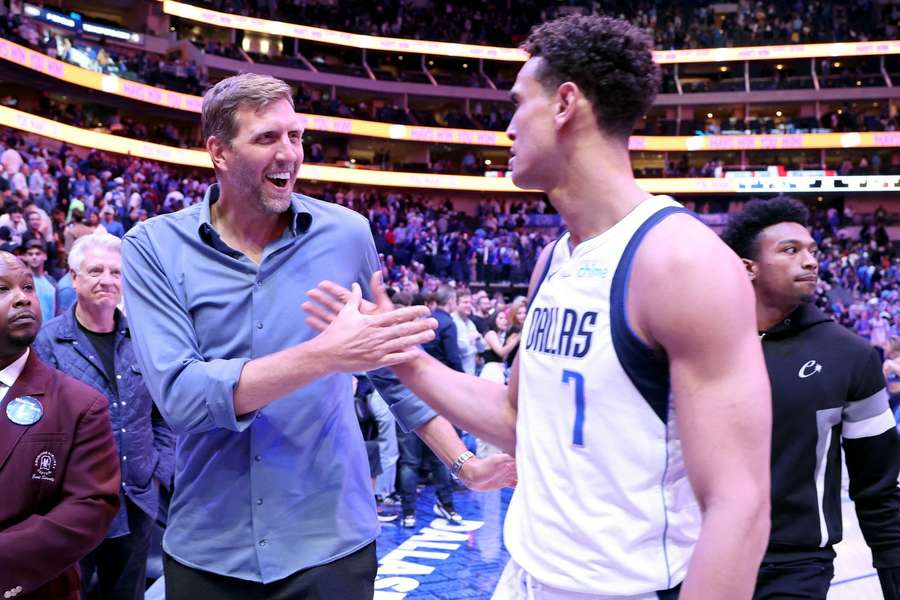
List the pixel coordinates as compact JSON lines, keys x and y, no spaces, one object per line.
{"x":410,"y":411}
{"x":192,"y":394}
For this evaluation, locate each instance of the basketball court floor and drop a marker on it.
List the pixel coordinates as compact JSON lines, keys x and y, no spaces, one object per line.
{"x":438,"y":560}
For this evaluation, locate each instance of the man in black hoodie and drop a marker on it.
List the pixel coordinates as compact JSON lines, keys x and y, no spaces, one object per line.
{"x":827,"y":390}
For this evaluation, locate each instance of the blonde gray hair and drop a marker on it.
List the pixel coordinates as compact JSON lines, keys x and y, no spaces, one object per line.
{"x":104,"y":241}
{"x":223,"y":100}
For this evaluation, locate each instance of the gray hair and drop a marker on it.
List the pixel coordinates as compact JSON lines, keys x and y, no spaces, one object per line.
{"x":444,"y":294}
{"x":94,"y":241}
{"x":222,"y":101}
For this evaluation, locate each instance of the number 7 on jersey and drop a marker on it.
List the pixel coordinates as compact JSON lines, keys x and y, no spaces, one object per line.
{"x":578,"y":429}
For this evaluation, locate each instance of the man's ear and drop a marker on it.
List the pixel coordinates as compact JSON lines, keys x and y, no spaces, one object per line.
{"x":216,"y":148}
{"x":567,"y":96}
{"x":751,"y":267}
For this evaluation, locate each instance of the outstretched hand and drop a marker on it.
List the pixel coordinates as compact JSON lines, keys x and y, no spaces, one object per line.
{"x":357,"y":335}
{"x":330,"y":299}
{"x":490,"y":473}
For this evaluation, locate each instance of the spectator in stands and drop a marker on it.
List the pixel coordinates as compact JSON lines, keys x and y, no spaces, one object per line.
{"x":500,"y":343}
{"x":11,"y":159}
{"x":110,"y":223}
{"x":92,"y":343}
{"x":35,"y":256}
{"x":481,"y":311}
{"x":891,"y":369}
{"x":469,"y":340}
{"x":76,"y":229}
{"x":413,"y":453}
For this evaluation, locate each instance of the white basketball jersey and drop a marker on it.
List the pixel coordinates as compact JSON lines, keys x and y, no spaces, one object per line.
{"x":603,"y":504}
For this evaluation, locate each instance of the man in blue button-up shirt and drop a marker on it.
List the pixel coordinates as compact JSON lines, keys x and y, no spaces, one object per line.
{"x":272,"y":489}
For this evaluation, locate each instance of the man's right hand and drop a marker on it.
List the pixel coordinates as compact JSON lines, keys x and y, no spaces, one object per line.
{"x":355,"y":341}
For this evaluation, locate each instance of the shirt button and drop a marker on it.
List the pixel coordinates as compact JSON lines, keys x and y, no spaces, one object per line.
{"x":118,"y":377}
{"x":123,"y":403}
{"x":124,"y":457}
{"x":123,"y":430}
{"x":262,"y":542}
{"x":259,"y":283}
{"x":259,"y":501}
{"x":257,"y":458}
{"x":259,"y":325}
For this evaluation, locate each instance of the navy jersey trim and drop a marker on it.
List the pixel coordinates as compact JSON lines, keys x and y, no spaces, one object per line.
{"x":647,"y":368}
{"x":540,"y":282}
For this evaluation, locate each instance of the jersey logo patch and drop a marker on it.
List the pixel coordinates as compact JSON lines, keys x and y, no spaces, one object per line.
{"x":593,"y":270}
{"x":809,"y":369}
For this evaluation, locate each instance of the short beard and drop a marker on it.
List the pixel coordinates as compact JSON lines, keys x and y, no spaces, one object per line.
{"x":274,"y":207}
{"x":808,"y":298}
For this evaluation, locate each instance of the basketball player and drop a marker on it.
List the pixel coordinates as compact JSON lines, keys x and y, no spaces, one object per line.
{"x":828,"y":392}
{"x":638,"y":406}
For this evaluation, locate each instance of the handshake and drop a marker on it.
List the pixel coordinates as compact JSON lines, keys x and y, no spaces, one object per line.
{"x":359,"y":335}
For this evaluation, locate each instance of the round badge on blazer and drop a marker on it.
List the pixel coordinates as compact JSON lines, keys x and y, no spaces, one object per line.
{"x":24,"y":410}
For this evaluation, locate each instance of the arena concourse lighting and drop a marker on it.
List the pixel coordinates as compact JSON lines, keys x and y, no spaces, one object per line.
{"x":133,"y":90}
{"x":388,"y":44}
{"x":757,"y":183}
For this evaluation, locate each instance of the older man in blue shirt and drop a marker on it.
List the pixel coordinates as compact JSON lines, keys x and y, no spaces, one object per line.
{"x":272,"y":489}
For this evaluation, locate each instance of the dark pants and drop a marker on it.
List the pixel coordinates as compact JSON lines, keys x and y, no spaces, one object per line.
{"x":348,"y":578}
{"x":120,"y":562}
{"x":670,"y":594}
{"x":807,"y":578}
{"x":413,"y":454}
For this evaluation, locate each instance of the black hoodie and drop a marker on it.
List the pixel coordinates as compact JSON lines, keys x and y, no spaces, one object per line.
{"x":828,"y":389}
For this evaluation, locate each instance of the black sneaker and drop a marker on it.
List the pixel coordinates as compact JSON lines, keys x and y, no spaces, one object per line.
{"x":447,"y":512}
{"x":385,"y":517}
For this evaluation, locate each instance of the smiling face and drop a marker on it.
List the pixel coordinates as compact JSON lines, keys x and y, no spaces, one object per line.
{"x":785,"y":270}
{"x":533,"y":156}
{"x":263,"y":159}
{"x":20,"y":315}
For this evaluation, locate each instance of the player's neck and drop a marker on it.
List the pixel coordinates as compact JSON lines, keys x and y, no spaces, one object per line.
{"x":597,"y":192}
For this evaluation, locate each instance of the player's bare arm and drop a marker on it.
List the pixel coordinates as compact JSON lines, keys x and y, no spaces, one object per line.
{"x":701,"y":312}
{"x":483,"y":408}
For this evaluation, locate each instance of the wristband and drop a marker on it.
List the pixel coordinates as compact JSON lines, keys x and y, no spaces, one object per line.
{"x":459,"y":462}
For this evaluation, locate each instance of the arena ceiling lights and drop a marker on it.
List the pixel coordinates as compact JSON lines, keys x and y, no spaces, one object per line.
{"x":25,"y":57}
{"x":86,"y":138}
{"x":470,"y":51}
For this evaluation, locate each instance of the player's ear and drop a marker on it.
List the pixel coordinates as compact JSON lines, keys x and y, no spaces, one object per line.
{"x":567,"y":96}
{"x":752,"y":268}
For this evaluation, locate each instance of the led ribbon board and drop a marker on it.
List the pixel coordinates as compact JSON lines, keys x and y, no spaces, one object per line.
{"x":76,"y":136}
{"x":472,"y":51}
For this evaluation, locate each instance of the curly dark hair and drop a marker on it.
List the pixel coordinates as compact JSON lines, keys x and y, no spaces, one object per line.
{"x":743,"y":228}
{"x":610,"y":60}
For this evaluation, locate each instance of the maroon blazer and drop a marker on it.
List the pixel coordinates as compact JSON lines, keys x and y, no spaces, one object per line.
{"x":60,"y":484}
